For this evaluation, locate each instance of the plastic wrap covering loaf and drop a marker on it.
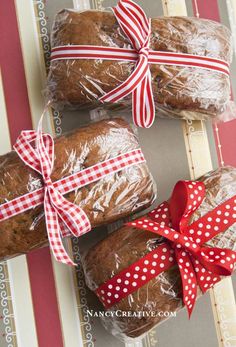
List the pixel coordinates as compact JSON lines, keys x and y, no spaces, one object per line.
{"x":126,"y":245}
{"x":75,"y":83}
{"x":115,"y":196}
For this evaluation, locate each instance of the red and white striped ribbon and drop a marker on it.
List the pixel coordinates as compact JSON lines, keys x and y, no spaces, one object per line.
{"x":63,"y":218}
{"x":137,"y":28}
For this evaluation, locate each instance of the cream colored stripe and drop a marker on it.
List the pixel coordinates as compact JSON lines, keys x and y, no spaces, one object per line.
{"x":174,"y":8}
{"x":5,"y":144}
{"x":22,"y":302}
{"x":36,"y":79}
{"x":197,"y":147}
{"x":137,"y":343}
{"x":231,"y":6}
{"x":67,"y":302}
{"x":81,"y":4}
{"x":234,"y":6}
{"x":17,"y":268}
{"x":33,"y":58}
{"x":199,"y":158}
{"x":223,"y":301}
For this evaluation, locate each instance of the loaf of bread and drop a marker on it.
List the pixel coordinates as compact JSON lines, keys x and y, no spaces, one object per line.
{"x":113,"y":197}
{"x":76,"y":83}
{"x":126,"y":245}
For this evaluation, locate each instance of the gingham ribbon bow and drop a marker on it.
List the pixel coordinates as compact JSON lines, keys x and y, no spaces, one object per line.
{"x":63,"y":218}
{"x":60,"y":214}
{"x":137,"y":28}
{"x":182,"y":243}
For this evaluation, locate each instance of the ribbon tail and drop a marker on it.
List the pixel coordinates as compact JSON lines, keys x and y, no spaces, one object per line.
{"x":149,"y":102}
{"x":161,"y":214}
{"x":65,"y":232}
{"x":143,"y":103}
{"x":26,"y":151}
{"x":74,"y":220}
{"x":129,"y":85}
{"x":205,"y":278}
{"x":54,"y":235}
{"x":189,"y":280}
{"x":45,"y":149}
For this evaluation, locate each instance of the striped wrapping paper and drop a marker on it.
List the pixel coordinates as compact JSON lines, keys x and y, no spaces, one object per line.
{"x":42,"y":303}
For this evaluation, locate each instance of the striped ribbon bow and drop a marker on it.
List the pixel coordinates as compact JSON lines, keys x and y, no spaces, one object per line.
{"x":63,"y":218}
{"x":183,"y":244}
{"x":137,"y":27}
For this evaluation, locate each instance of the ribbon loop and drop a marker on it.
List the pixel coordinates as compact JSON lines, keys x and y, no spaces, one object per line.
{"x":187,"y":196}
{"x":25,"y":151}
{"x":217,"y":260}
{"x":45,"y":151}
{"x":133,"y":22}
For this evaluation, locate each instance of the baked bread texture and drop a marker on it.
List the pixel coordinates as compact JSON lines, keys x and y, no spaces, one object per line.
{"x":128,"y":244}
{"x":113,"y":197}
{"x":76,"y":83}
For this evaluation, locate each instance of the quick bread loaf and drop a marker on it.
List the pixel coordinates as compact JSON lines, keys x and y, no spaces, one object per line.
{"x":75,"y":83}
{"x":126,"y":245}
{"x":115,"y":196}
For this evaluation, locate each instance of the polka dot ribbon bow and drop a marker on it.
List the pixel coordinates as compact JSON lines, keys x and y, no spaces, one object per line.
{"x":137,"y":28}
{"x":63,"y":218}
{"x":183,"y":244}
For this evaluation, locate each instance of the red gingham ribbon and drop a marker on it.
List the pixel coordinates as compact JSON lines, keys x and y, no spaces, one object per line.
{"x":63,"y":218}
{"x":182,"y":244}
{"x":137,"y":27}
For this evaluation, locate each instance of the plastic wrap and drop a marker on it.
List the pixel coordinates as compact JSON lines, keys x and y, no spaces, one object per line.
{"x":76,"y":83}
{"x":162,"y":296}
{"x":115,"y":196}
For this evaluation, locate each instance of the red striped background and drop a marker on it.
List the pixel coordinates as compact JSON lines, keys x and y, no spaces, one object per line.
{"x":18,"y":110}
{"x":227,"y":131}
{"x":19,"y":117}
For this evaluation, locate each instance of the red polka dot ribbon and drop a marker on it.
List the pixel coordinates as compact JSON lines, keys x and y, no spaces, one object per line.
{"x":184,"y":244}
{"x":137,"y":27}
{"x":63,"y":218}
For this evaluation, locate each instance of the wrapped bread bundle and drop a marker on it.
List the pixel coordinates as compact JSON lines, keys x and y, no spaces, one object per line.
{"x":162,"y":295}
{"x":80,"y":82}
{"x":114,"y":196}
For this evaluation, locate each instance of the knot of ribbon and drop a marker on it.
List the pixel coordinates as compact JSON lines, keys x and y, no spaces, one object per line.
{"x":183,"y":243}
{"x":137,"y":27}
{"x":62,"y":217}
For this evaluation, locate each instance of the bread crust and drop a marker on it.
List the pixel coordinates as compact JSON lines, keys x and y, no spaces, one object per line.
{"x":128,"y":244}
{"x":104,"y":201}
{"x":76,"y":83}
